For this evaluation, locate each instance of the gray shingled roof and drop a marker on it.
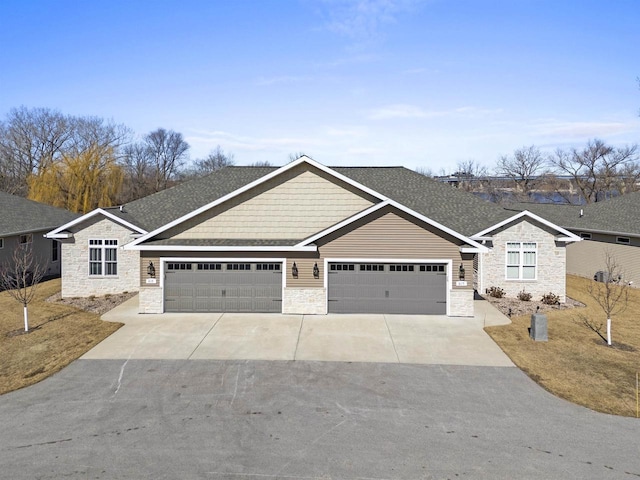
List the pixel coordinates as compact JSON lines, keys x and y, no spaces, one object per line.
{"x":453,"y":208}
{"x":456,"y":209}
{"x":19,"y":215}
{"x":619,"y":215}
{"x":160,"y":208}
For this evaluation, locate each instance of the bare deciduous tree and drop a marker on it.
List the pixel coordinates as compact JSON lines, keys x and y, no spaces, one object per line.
{"x":262,"y":163}
{"x":522,"y":167}
{"x":596,"y":170}
{"x":167,"y":152}
{"x":469,"y":172}
{"x":216,"y":160}
{"x":21,"y":276}
{"x":611,"y":294}
{"x":29,"y":140}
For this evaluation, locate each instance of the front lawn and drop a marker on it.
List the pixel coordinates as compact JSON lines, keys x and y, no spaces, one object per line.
{"x":576,"y":364}
{"x":58,"y":335}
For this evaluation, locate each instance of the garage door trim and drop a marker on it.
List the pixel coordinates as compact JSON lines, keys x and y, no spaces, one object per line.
{"x":445,"y":261}
{"x":165,"y":260}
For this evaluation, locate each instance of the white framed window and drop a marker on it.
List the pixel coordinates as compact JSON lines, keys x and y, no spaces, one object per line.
{"x":103,"y":257}
{"x":623,"y":240}
{"x":522,"y":260}
{"x":585,"y":235}
{"x":25,"y":239}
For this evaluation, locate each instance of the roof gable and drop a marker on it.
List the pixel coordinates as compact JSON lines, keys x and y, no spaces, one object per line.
{"x":567,"y":235}
{"x":301,"y":162}
{"x":295,"y":204}
{"x":472,"y":245}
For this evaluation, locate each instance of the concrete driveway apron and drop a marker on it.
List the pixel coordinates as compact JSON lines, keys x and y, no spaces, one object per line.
{"x":419,"y":339}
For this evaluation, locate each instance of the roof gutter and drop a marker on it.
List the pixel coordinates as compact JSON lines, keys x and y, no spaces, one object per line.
{"x":206,"y":248}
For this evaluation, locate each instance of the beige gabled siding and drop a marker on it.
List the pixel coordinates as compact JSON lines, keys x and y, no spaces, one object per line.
{"x":294,"y":205}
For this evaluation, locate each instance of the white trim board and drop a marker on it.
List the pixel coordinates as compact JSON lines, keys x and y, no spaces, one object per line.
{"x":255,"y":183}
{"x":98,"y":211}
{"x":474,"y":246}
{"x":569,"y":237}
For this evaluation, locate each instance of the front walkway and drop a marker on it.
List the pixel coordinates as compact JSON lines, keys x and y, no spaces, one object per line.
{"x":419,"y":339}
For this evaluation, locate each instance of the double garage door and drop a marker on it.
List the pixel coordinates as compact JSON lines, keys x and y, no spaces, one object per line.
{"x":223,"y":287}
{"x":411,"y":289}
{"x":352,"y":287}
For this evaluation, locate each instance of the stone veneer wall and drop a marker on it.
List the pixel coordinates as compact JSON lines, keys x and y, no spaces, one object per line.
{"x":305,"y":301}
{"x":461,"y":303}
{"x":76,"y":281}
{"x":551,"y":261}
{"x":150,"y":300}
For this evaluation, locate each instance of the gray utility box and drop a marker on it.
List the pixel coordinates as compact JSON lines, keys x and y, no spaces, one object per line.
{"x":538,"y":330}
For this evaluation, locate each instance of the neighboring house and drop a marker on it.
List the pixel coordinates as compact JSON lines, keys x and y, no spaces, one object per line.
{"x":309,"y":239}
{"x":611,"y":226}
{"x":24,"y":221}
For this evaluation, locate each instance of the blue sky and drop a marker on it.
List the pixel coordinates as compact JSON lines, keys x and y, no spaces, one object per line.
{"x":370,"y":82}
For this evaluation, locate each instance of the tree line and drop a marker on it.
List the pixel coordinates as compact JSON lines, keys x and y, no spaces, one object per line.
{"x":579,"y":175}
{"x":82,"y":162}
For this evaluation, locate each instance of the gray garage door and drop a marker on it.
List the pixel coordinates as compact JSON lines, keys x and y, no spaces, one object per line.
{"x":387,"y":288}
{"x":223,"y":287}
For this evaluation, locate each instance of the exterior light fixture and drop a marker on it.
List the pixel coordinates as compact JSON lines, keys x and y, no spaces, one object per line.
{"x":294,"y":270}
{"x":461,"y":272}
{"x":316,"y":271}
{"x":151,"y":270}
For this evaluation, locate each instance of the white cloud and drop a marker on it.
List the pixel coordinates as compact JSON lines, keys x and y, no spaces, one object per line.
{"x":362,"y":19}
{"x":554,"y":128}
{"x":414,"y":111}
{"x":398,"y":111}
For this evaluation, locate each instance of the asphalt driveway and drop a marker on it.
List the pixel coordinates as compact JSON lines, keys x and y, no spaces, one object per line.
{"x":250,"y":420}
{"x":416,"y":339}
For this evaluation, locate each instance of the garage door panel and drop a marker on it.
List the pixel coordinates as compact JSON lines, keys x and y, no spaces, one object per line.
{"x":387,"y":288}
{"x":223,"y":288}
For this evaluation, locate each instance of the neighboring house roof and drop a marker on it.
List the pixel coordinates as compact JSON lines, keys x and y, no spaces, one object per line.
{"x":620,"y":215}
{"x":19,"y":216}
{"x":457,"y":210}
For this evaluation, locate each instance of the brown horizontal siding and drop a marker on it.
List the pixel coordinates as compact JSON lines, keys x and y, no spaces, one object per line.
{"x":585,"y":258}
{"x":305,"y":273}
{"x":391,"y":234}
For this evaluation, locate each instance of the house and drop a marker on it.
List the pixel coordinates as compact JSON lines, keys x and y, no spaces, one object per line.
{"x":308,"y":239}
{"x":607,"y":227}
{"x":24,"y":222}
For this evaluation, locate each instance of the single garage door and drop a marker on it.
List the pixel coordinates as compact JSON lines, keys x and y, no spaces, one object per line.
{"x":223,"y":287}
{"x":387,"y":288}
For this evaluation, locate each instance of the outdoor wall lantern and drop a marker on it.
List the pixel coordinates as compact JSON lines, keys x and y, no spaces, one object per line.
{"x":316,"y":271}
{"x":461,"y":272}
{"x":151,"y":270}
{"x":294,"y":270}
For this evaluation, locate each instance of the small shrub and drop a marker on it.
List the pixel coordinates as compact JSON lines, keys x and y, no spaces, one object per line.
{"x":524,"y":296}
{"x":107,"y":296}
{"x":550,"y":299}
{"x":495,"y":292}
{"x":92,"y":297}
